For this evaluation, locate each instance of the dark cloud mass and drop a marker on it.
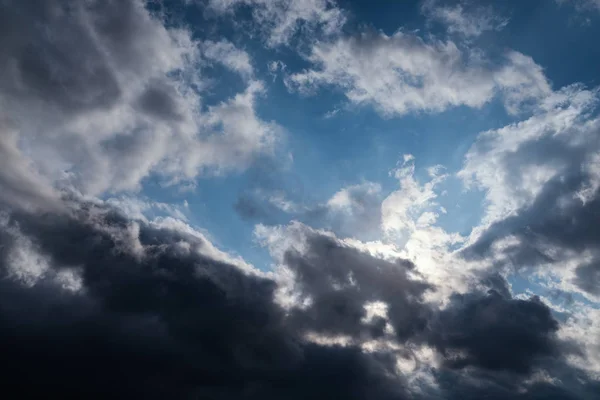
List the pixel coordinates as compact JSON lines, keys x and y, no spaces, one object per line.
{"x":170,"y":323}
{"x":341,"y":280}
{"x":157,"y":319}
{"x":495,"y":333}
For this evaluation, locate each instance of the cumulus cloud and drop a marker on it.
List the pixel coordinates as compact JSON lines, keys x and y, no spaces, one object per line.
{"x":540,"y":180}
{"x":90,"y":288}
{"x":177,"y":322}
{"x":409,"y":74}
{"x":338,"y":295}
{"x":99,"y":95}
{"x":514,"y":162}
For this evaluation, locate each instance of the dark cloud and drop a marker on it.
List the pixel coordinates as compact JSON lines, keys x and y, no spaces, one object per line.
{"x":155,"y":318}
{"x":558,"y":224}
{"x":159,"y":100}
{"x":495,"y":333}
{"x":587,"y":277}
{"x":171,"y":324}
{"x":341,"y":280}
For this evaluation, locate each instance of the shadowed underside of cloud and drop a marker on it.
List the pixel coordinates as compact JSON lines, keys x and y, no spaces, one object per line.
{"x":149,"y":313}
{"x":543,"y":193}
{"x":155,"y":318}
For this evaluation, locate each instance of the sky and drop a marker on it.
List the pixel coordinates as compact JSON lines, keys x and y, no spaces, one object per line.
{"x":272,"y":199}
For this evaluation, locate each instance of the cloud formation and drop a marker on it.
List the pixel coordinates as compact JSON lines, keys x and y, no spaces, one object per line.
{"x":279,"y":20}
{"x":463,"y":18}
{"x":98,"y":96}
{"x":409,"y":74}
{"x":150,"y":312}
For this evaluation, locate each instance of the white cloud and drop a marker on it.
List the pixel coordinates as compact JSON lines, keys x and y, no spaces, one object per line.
{"x":142,"y":209}
{"x":226,"y":53}
{"x":540,"y":178}
{"x":98,"y":112}
{"x":350,"y":197}
{"x":280,"y":20}
{"x":202,"y":244}
{"x":463,"y":18}
{"x":511,"y":177}
{"x":354,"y":211}
{"x":231,"y":136}
{"x":583,"y":327}
{"x":404,"y":210}
{"x":23,"y":186}
{"x":403,"y":73}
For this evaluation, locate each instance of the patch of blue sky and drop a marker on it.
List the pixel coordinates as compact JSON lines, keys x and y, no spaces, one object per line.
{"x":528,"y":285}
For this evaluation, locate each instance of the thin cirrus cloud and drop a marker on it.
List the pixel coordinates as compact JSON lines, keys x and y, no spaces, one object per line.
{"x":359,"y":287}
{"x":468,"y":20}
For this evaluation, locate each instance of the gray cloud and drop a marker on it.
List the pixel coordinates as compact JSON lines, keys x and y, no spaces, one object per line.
{"x":166,"y":322}
{"x":340,"y":281}
{"x":495,"y":333}
{"x":280,"y":21}
{"x":556,"y":227}
{"x":98,"y":95}
{"x":154,"y":314}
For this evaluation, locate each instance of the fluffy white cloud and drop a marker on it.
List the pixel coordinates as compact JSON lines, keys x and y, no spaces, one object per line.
{"x":403,"y":73}
{"x":113,"y":96}
{"x":512,"y":164}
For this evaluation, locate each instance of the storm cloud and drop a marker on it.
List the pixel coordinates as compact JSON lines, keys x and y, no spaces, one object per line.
{"x":152,"y":314}
{"x":156,"y":318}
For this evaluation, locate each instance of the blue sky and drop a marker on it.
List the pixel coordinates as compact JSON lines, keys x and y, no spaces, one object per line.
{"x":433,"y":165}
